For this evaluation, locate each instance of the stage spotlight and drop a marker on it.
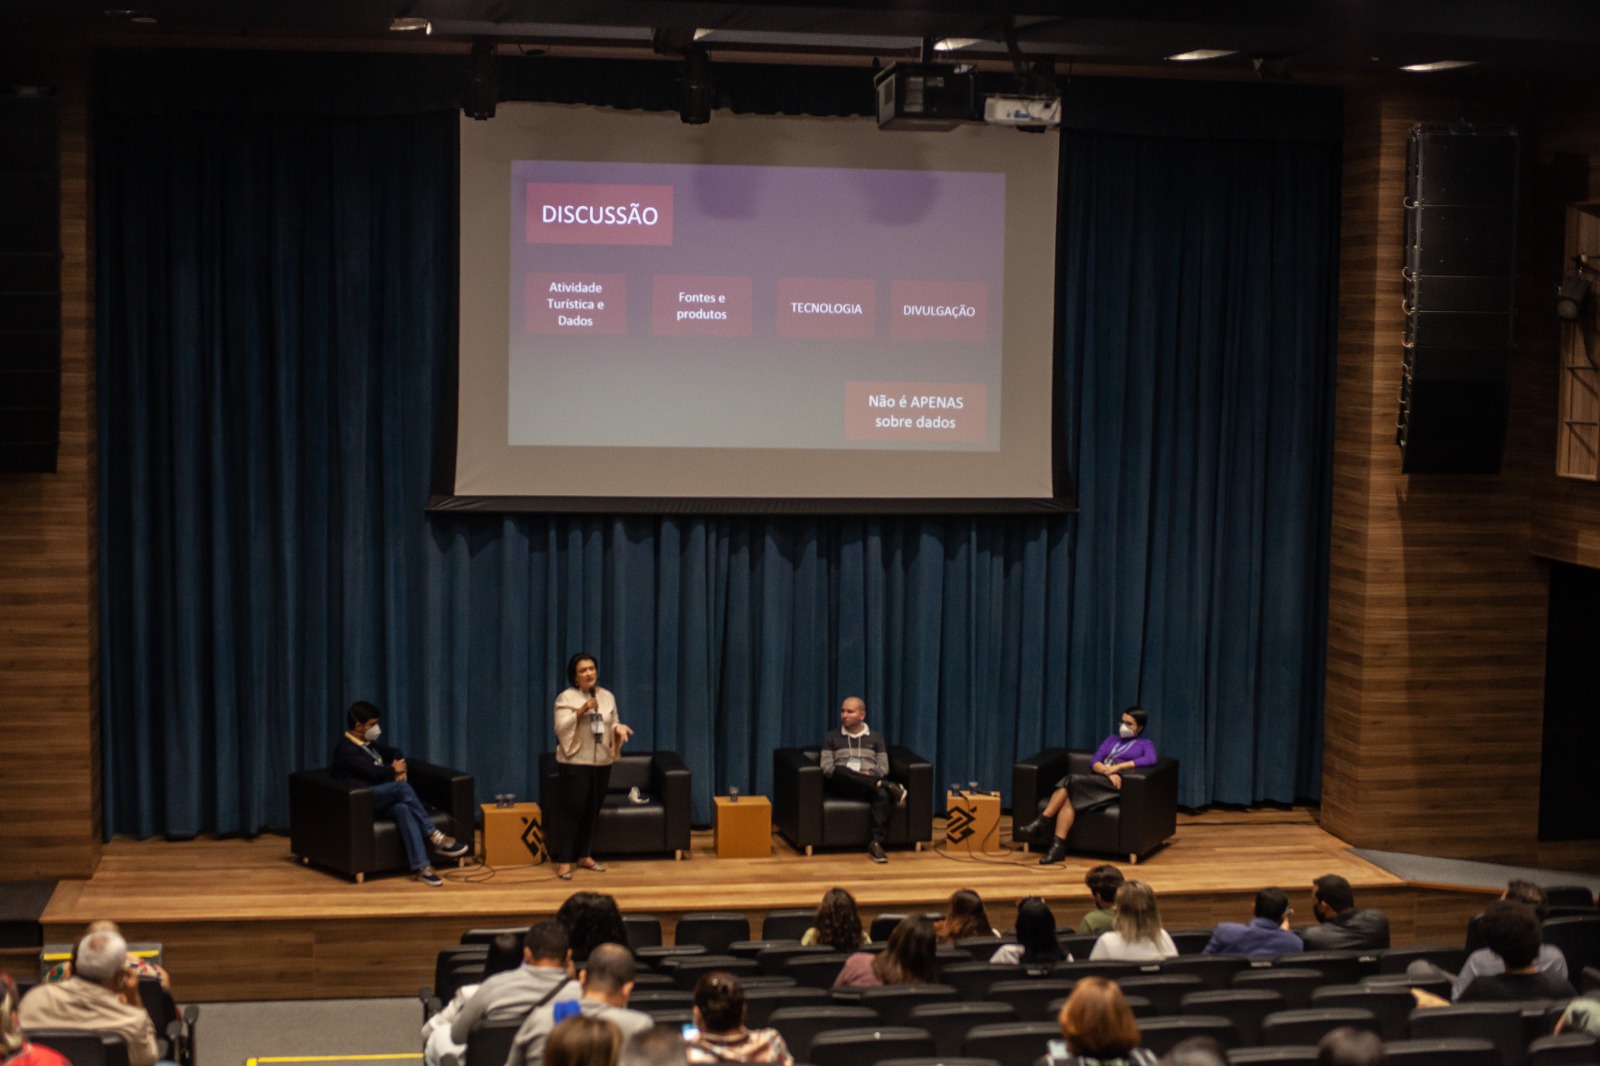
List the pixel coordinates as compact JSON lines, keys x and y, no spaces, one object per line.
{"x":483,"y":85}
{"x":1570,"y":298}
{"x":694,"y":101}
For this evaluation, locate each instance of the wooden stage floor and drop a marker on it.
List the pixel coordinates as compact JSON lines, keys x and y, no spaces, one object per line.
{"x":242,"y":919}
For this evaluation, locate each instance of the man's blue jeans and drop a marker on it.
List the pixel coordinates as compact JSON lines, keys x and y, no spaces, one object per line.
{"x":399,"y":801}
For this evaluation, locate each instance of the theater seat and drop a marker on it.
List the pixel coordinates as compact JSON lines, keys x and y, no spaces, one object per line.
{"x":659,"y":826}
{"x":809,"y":817}
{"x":1141,"y":822}
{"x":331,"y":820}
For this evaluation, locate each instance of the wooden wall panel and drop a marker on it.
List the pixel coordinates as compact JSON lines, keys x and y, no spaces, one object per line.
{"x":49,"y":767}
{"x":1437,"y":606}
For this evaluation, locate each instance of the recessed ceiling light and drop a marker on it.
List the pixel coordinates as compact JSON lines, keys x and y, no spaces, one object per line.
{"x":1203,"y":53}
{"x":131,"y":14}
{"x":1440,"y":64}
{"x":951,"y":44}
{"x":411,"y":25}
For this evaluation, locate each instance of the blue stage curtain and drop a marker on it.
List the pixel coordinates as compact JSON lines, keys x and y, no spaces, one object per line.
{"x":275,"y":302}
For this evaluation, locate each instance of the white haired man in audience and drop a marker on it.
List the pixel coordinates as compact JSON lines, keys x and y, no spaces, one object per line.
{"x":607,"y":979}
{"x":102,"y":993}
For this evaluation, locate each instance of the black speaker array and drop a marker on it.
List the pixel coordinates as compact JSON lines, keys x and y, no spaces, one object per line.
{"x":1461,"y":201}
{"x":30,"y":284}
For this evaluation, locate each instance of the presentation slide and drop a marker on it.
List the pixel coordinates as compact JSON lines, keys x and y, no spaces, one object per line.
{"x":806,"y":307}
{"x":763,"y":313}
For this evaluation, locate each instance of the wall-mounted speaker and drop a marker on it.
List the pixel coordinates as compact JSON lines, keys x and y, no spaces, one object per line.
{"x":1461,"y":203}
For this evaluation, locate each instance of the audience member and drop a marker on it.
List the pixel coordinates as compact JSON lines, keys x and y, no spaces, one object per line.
{"x":837,"y":924}
{"x":143,"y":967}
{"x":719,"y":1011}
{"x":1266,"y":935}
{"x":1098,"y":1028}
{"x":14,"y":1047}
{"x":545,"y":973}
{"x":1581,"y":1016}
{"x":909,"y":958}
{"x":359,"y":756}
{"x":1342,"y":927}
{"x":606,"y":982}
{"x":1103,"y":882}
{"x":505,"y":954}
{"x":659,"y":1045}
{"x":1485,"y":963}
{"x":592,"y":919}
{"x":1347,"y":1046}
{"x":102,"y":993}
{"x":1137,"y":934}
{"x":583,"y":1041}
{"x":1512,"y":930}
{"x":1036,"y":946}
{"x":967,"y":918}
{"x":1196,"y":1051}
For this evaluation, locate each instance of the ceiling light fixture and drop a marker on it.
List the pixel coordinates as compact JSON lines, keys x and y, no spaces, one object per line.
{"x":953,"y":44}
{"x":1438,"y":65}
{"x":411,"y":25}
{"x":1202,"y":53}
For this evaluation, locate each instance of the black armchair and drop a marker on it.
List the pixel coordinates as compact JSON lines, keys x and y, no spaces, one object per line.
{"x":655,"y":827}
{"x":809,"y":817}
{"x":331,"y":821}
{"x":1142,"y":821}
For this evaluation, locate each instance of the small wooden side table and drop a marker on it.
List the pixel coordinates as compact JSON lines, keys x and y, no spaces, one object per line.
{"x":512,"y":836}
{"x":973,"y":822}
{"x":743,"y":827}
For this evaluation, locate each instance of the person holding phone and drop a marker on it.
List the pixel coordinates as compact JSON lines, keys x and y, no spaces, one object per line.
{"x":588,"y":740}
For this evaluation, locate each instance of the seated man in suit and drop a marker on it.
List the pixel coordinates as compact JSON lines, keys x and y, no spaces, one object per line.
{"x":1343,"y":927}
{"x":1266,"y":935}
{"x":358,"y":755}
{"x":855,"y":765}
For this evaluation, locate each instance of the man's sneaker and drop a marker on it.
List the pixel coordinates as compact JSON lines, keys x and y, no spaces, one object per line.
{"x":895,"y":789}
{"x":429,"y":878}
{"x":875,"y":849}
{"x":450,"y":848}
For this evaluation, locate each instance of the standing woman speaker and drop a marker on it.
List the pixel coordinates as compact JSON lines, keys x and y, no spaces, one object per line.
{"x":588,"y":740}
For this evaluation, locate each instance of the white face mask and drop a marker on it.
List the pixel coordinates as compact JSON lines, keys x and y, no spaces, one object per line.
{"x":1127,"y":732}
{"x":373,"y":732}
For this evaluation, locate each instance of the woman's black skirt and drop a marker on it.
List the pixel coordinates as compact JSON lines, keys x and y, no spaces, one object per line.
{"x":1089,"y":792}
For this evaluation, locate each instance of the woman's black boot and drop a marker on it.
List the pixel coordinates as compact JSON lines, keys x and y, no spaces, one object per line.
{"x":1057,"y":852}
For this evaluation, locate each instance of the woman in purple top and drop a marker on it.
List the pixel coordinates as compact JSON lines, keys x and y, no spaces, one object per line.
{"x":1101,"y":787}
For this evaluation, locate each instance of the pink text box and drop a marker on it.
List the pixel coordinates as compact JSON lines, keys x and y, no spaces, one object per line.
{"x":873,"y":411}
{"x":548,"y":310}
{"x":827,"y":308}
{"x":591,"y":213}
{"x":955,"y":311}
{"x":684,"y":305}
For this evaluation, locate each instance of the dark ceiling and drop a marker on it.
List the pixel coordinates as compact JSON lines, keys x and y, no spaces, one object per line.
{"x":1314,"y":36}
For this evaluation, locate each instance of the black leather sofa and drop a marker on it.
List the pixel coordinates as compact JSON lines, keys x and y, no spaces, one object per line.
{"x":656,"y":827}
{"x":1145,"y":819}
{"x":331,"y":821}
{"x":810,"y":818}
